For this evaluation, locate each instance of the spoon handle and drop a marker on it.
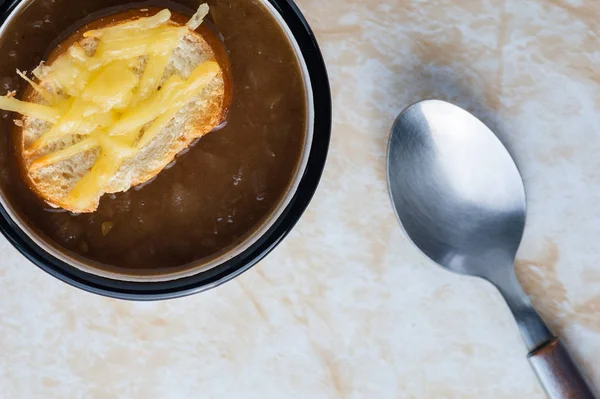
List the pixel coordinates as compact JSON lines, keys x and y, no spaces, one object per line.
{"x":558,"y":373}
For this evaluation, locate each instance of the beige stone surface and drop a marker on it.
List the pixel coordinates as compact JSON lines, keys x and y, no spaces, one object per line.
{"x":346,"y":307}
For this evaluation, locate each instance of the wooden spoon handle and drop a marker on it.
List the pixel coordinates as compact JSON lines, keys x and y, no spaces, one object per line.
{"x":558,"y":373}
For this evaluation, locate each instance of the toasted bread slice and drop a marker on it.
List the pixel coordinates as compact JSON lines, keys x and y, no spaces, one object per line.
{"x":54,"y":182}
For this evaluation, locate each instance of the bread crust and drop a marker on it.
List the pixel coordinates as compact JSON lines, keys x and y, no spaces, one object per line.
{"x":202,"y":114}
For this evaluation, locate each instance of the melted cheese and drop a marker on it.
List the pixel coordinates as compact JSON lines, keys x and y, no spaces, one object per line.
{"x":154,"y":71}
{"x":112,"y":88}
{"x":149,"y":109}
{"x":63,"y":154}
{"x":200,"y":77}
{"x":39,"y":111}
{"x":49,"y":97}
{"x":92,"y":183}
{"x":69,"y":75}
{"x":161,"y":41}
{"x":160,"y":18}
{"x":105,"y":97}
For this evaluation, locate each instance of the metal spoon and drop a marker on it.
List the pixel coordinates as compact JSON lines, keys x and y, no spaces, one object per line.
{"x":460,"y":198}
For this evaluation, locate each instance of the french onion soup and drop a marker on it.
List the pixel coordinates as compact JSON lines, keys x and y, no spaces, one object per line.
{"x":150,"y":140}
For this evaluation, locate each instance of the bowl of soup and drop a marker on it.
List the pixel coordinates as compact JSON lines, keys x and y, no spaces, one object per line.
{"x":225,"y":201}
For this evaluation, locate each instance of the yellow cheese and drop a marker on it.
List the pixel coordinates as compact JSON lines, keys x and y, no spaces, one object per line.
{"x":92,"y":183}
{"x":69,"y":75}
{"x":102,"y":98}
{"x":50,"y":98}
{"x":119,"y":147}
{"x":30,"y":109}
{"x":64,"y":105}
{"x":198,"y":17}
{"x":149,"y":109}
{"x":77,"y":53}
{"x":198,"y":79}
{"x":74,"y":122}
{"x":156,"y":126}
{"x":161,"y":42}
{"x":104,"y":119}
{"x":131,"y":35}
{"x":202,"y":75}
{"x":66,"y":153}
{"x":141,"y":24}
{"x":112,"y":88}
{"x":114,"y":151}
{"x":67,"y":124}
{"x":100,"y":120}
{"x":152,"y":74}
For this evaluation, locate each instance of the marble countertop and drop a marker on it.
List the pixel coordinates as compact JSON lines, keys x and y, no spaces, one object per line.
{"x":346,"y":307}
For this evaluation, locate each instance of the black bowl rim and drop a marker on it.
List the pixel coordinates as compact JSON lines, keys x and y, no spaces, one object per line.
{"x":134,"y":290}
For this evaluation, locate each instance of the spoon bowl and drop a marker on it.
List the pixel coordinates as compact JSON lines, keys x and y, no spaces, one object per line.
{"x":455,"y":188}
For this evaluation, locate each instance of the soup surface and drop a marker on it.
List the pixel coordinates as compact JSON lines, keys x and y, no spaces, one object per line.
{"x":218,"y":191}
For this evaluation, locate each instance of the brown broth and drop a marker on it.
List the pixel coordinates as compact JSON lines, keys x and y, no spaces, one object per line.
{"x":217,"y":193}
